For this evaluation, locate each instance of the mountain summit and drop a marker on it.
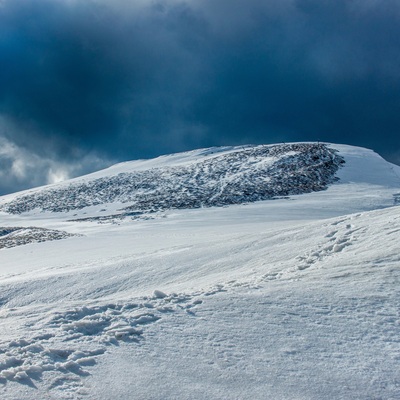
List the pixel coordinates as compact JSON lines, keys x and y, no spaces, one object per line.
{"x":206,"y":178}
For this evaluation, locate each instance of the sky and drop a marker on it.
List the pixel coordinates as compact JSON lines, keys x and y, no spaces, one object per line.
{"x":88,"y":83}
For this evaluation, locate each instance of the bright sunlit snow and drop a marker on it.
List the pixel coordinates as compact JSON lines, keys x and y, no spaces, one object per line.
{"x":290,"y":294}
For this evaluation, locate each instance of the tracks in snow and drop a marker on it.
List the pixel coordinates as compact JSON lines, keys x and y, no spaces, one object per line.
{"x":60,"y":349}
{"x":340,"y":236}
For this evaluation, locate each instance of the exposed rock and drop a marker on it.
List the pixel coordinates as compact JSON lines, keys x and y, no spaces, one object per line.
{"x":17,"y":236}
{"x":252,"y":174}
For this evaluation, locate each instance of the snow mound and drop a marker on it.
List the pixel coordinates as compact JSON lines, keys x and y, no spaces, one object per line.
{"x":246,"y":175}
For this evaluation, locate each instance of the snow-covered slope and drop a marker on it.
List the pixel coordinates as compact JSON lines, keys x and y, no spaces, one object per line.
{"x":291,"y":298}
{"x":234,"y":176}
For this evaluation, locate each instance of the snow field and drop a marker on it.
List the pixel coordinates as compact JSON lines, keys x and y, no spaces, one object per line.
{"x":316,"y":306}
{"x":287,"y":299}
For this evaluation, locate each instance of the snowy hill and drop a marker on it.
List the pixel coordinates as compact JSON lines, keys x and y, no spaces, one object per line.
{"x":288,"y":291}
{"x":234,"y":176}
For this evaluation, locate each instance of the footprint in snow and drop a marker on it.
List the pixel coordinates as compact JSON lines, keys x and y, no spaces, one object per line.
{"x":72,"y":340}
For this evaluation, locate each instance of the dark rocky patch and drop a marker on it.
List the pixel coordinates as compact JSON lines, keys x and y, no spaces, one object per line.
{"x":17,"y":236}
{"x":248,"y":175}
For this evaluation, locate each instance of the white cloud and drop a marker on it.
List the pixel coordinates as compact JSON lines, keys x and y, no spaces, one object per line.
{"x":21,"y":167}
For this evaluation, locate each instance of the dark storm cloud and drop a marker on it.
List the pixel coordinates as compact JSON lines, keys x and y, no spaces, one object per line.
{"x":127,"y":79}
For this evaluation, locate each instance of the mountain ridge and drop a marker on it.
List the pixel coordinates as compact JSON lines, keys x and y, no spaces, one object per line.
{"x":245,"y":174}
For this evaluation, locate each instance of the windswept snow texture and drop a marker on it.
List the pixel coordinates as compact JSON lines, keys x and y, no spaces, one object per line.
{"x":247,"y":175}
{"x":296,"y":298}
{"x":17,"y":236}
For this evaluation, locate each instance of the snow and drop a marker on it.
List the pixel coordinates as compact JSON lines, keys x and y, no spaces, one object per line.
{"x":291,"y":298}
{"x":250,"y":174}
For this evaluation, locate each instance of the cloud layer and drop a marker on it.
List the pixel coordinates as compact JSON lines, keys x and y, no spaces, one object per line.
{"x":86,"y":83}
